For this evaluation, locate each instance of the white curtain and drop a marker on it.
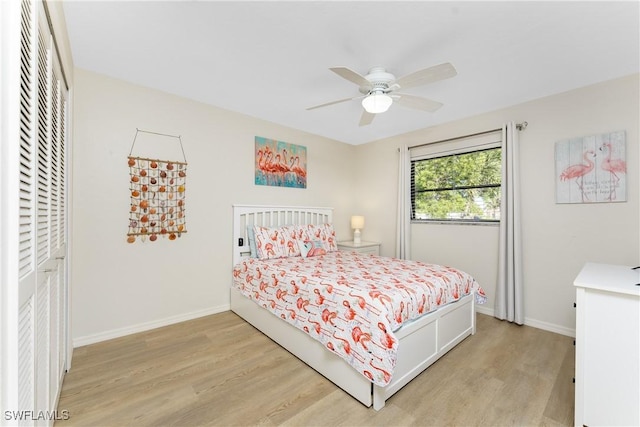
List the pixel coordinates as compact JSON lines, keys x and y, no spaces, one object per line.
{"x":403,"y":238}
{"x":509,"y":302}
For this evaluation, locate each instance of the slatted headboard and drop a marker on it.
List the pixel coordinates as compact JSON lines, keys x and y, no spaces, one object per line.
{"x":271,"y":216}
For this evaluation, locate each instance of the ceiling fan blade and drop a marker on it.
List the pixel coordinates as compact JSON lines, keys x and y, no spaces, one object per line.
{"x":330,"y":103}
{"x":416,"y":102}
{"x":351,"y":75}
{"x":366,"y":118}
{"x":428,"y":75}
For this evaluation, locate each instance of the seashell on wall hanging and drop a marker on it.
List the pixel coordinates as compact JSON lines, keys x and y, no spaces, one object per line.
{"x":157,"y":191}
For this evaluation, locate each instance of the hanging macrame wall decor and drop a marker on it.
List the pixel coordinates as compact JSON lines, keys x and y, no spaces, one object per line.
{"x":157,"y":192}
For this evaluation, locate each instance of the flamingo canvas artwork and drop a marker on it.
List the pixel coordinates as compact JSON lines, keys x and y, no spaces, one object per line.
{"x":280,"y":164}
{"x":592,"y":169}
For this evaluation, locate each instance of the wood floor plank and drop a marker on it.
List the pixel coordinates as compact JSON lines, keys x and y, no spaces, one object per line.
{"x":563,"y":390}
{"x":220,"y":371}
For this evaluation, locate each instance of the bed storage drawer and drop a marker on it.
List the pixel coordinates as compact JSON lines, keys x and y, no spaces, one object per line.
{"x":425,"y":340}
{"x":454,"y":325}
{"x":303,"y":347}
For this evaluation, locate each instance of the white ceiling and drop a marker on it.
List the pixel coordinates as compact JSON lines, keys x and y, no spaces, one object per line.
{"x":271,"y":59}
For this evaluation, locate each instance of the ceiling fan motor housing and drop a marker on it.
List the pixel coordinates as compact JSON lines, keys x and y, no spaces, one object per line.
{"x":379,"y":79}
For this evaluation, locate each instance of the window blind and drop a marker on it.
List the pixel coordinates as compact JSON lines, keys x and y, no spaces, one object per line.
{"x":480,"y":141}
{"x":430,"y":200}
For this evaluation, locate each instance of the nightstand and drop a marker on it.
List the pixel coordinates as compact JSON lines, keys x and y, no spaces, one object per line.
{"x":363,"y":247}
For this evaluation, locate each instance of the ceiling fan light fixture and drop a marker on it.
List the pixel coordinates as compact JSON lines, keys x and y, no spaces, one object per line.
{"x":377,"y":102}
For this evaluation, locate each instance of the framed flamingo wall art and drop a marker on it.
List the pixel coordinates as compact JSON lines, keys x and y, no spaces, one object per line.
{"x":592,"y":169}
{"x":280,"y":164}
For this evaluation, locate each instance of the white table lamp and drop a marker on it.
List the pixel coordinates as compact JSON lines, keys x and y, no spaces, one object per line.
{"x":357,"y":223}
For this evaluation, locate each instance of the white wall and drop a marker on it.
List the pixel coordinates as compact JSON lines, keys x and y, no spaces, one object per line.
{"x":120,"y":288}
{"x":558,"y":238}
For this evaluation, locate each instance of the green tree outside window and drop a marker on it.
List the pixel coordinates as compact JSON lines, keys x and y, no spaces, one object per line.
{"x":461,"y":187}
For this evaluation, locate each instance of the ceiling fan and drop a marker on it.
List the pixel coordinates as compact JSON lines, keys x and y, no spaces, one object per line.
{"x":378,"y":89}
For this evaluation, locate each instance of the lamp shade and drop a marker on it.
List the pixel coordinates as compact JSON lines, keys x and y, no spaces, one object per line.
{"x":357,"y":222}
{"x":377,"y":102}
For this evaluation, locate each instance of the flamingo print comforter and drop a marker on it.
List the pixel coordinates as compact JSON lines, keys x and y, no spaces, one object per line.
{"x":352,"y":303}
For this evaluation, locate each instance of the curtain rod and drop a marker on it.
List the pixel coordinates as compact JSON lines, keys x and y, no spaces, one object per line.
{"x":520,"y":126}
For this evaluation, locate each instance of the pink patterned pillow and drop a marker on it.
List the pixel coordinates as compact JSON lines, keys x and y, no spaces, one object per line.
{"x":268,"y":244}
{"x":275,"y":242}
{"x":290,"y":245}
{"x":322,"y":232}
{"x":331,"y":243}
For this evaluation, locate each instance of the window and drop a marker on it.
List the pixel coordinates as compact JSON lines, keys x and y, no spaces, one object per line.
{"x":461,"y":187}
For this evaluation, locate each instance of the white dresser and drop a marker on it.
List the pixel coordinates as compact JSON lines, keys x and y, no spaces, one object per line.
{"x":607,"y":346}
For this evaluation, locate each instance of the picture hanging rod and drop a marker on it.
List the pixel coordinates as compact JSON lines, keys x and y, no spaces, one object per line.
{"x":157,"y":133}
{"x":179,"y":138}
{"x":149,"y":159}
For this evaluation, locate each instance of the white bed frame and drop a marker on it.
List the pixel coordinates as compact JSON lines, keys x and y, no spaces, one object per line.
{"x":421,"y":342}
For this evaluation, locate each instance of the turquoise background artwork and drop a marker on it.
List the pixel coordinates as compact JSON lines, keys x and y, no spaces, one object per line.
{"x":280,"y":164}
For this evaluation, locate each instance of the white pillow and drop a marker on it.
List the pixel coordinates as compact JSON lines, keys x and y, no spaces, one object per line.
{"x":251,"y":235}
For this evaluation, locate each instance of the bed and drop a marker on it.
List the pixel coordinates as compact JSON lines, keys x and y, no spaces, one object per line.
{"x":396,"y":339}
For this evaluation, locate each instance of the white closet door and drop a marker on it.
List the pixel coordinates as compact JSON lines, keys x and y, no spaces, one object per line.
{"x":27,"y":303}
{"x":56,"y":270}
{"x":34,"y":294}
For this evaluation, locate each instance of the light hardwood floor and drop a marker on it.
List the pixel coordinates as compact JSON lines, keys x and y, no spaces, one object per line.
{"x":220,"y":371}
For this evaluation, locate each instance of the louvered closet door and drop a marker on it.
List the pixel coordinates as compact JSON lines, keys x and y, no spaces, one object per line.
{"x":42,"y":302}
{"x":52,"y":244}
{"x":27,"y":304}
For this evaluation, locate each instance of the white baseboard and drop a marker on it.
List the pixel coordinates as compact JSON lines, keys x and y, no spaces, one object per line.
{"x":545,"y":326}
{"x":562,"y":330}
{"x":484,"y":310}
{"x":141,"y":327}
